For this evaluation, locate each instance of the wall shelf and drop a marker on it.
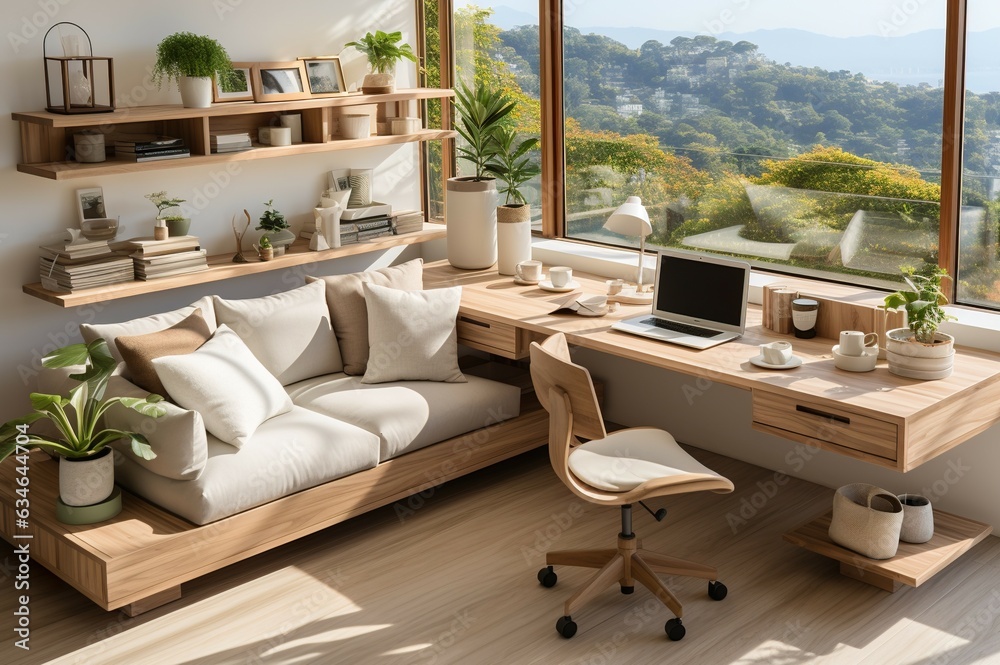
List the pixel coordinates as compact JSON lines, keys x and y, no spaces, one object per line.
{"x":47,"y":138}
{"x":221,"y":267}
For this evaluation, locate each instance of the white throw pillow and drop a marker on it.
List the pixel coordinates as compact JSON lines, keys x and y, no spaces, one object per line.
{"x":289,"y":333}
{"x":224,"y":382}
{"x":412,"y":334}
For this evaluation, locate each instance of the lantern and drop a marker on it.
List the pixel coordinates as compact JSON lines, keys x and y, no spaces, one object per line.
{"x":76,"y":83}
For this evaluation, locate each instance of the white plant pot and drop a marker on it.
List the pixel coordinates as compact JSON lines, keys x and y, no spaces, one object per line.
{"x":196,"y":91}
{"x":83,"y":482}
{"x":513,"y":237}
{"x":471,"y":219}
{"x":916,"y":360}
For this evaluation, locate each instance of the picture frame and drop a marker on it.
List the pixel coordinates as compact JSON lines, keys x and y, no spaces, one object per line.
{"x":325,"y":75}
{"x":90,"y":204}
{"x":280,"y":81}
{"x":245,"y":70}
{"x":339,"y":180}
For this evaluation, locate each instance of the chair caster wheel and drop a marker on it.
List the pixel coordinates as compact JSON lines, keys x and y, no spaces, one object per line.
{"x":675,"y":631}
{"x":628,"y":589}
{"x":547,"y":577}
{"x":717,"y":590}
{"x":567,"y":627}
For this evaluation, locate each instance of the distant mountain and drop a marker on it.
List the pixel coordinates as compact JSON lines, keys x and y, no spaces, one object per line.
{"x":907,"y":60}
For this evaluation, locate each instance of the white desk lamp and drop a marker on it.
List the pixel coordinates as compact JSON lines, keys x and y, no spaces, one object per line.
{"x":631,"y":219}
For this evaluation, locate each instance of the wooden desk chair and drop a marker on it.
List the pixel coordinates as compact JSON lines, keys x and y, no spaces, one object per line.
{"x":615,"y":469}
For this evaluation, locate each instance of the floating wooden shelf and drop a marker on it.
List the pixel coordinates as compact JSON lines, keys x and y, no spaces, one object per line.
{"x":913,"y":564}
{"x":47,"y":138}
{"x":222,"y":267}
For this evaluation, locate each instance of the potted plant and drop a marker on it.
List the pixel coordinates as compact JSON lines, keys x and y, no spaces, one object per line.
{"x":384,"y":51}
{"x":86,"y":466}
{"x":276,"y":229}
{"x":920,"y":351}
{"x":471,"y":201}
{"x":193,"y":60}
{"x":264,"y":250}
{"x":513,"y":167}
{"x":176,"y":223}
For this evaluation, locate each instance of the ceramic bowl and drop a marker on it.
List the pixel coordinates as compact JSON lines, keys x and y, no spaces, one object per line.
{"x":99,"y":229}
{"x":863,"y":363}
{"x":355,"y":125}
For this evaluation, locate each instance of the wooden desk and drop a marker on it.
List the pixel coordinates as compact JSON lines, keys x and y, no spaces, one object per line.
{"x":876,"y":416}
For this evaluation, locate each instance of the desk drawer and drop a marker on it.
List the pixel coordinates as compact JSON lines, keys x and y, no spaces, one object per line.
{"x":826,"y":423}
{"x":499,"y":338}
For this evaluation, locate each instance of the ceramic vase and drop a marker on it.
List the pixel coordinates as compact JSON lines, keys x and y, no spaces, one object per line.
{"x":513,"y":237}
{"x":196,"y":91}
{"x":471,"y":219}
{"x":88,"y":480}
{"x":917,"y":360}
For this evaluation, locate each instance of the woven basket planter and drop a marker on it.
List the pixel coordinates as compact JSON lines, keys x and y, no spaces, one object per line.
{"x":867,"y":520}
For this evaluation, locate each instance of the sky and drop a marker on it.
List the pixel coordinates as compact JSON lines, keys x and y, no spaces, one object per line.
{"x":850,"y":18}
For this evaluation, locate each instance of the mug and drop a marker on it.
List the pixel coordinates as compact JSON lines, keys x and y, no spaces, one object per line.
{"x":856,"y":343}
{"x":528,"y":271}
{"x":776,"y":353}
{"x":281,"y":136}
{"x":560,"y":276}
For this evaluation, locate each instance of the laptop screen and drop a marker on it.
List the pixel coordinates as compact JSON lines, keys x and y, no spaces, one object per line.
{"x":697,"y":288}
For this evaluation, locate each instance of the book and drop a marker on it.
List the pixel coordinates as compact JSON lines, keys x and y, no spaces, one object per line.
{"x":162,"y":259}
{"x":177,"y":271}
{"x":100,"y":265}
{"x":373,"y":210}
{"x":76,"y":251}
{"x":374,"y":233}
{"x":223,"y":139}
{"x":370,"y":224}
{"x":145,"y":247}
{"x":168,"y":154}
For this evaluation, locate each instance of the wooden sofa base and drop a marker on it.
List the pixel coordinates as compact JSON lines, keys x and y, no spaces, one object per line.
{"x":138,"y":560}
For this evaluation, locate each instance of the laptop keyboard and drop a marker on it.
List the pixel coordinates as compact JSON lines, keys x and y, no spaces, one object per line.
{"x":680,"y":327}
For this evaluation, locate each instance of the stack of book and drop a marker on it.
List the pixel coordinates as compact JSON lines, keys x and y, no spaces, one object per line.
{"x":407,"y":221}
{"x":149,"y":147}
{"x":230,"y":142}
{"x":178,"y":255}
{"x":67,"y":267}
{"x":360,"y":224}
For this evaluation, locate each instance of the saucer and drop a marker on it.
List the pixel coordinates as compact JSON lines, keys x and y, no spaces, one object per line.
{"x":527,"y":282}
{"x":760,"y":362}
{"x":546,"y":285}
{"x":863,"y":363}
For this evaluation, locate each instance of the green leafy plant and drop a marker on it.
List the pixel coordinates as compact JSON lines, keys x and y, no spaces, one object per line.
{"x":272,"y":220}
{"x":923,"y":302}
{"x":188,"y":54}
{"x":164,"y":202}
{"x":512,"y":164}
{"x":384,"y":50}
{"x":78,"y":416}
{"x":265,"y":242}
{"x":480,"y":117}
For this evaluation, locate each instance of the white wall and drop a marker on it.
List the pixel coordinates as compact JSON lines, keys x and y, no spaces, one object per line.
{"x":35,"y":210}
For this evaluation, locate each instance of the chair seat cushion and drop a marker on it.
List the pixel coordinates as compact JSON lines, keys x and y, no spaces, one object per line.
{"x":626,"y":459}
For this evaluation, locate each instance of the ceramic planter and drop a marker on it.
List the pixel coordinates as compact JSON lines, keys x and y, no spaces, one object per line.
{"x":513,"y":237}
{"x":196,"y":91}
{"x":471,"y":217}
{"x":917,"y":360}
{"x":178,"y":227}
{"x":280,"y":240}
{"x":88,"y":480}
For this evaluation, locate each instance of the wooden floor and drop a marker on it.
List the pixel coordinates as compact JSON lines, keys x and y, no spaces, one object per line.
{"x":450,"y":578}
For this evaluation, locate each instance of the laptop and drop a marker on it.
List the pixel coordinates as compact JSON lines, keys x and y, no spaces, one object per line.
{"x":699,"y":301}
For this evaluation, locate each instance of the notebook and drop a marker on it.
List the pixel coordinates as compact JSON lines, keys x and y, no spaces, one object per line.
{"x":698,"y":300}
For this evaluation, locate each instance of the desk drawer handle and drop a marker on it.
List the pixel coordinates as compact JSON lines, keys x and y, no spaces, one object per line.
{"x":823,"y":414}
{"x":481,"y":324}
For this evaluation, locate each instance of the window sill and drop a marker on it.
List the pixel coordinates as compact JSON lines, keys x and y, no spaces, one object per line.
{"x":978,"y":329}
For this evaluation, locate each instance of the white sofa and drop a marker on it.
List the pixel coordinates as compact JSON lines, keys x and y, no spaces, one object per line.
{"x":337,"y":424}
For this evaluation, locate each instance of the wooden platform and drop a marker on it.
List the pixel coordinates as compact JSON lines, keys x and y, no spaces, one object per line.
{"x":139,"y":559}
{"x":913,"y":564}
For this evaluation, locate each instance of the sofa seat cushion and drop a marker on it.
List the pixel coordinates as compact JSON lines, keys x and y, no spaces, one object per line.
{"x":287,"y":454}
{"x":408,"y":415}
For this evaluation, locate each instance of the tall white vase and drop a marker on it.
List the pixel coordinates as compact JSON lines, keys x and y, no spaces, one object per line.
{"x":196,"y":91}
{"x":471,"y":218}
{"x":513,"y":237}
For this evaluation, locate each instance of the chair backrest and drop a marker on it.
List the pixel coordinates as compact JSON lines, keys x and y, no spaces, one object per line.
{"x":551,"y":367}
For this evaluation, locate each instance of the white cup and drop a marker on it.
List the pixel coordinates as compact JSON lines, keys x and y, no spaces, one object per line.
{"x":856,"y":343}
{"x":776,"y":353}
{"x":560,"y":276}
{"x":528,"y":271}
{"x":281,"y":136}
{"x":294,"y":122}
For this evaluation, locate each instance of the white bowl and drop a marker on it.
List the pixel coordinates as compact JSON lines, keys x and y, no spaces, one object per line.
{"x":405,"y":125}
{"x":864,"y":363}
{"x":355,"y":125}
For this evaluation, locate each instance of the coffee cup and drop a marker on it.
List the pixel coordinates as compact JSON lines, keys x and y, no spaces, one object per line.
{"x":528,"y":271}
{"x":560,"y":276}
{"x":776,"y":353}
{"x":856,"y":343}
{"x":281,"y":136}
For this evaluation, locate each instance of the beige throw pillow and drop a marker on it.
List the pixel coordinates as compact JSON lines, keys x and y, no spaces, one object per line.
{"x":289,"y":333}
{"x":226,"y":384}
{"x":346,"y":300}
{"x":412,"y":335}
{"x":138,"y":351}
